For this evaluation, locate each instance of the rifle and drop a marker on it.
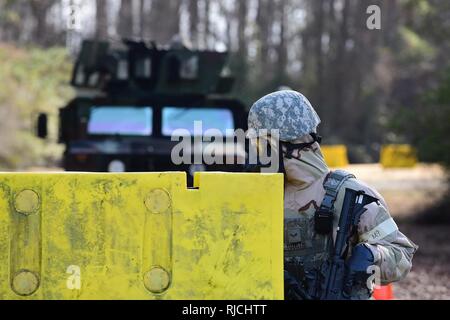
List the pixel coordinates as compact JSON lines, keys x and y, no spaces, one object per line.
{"x":329,"y":285}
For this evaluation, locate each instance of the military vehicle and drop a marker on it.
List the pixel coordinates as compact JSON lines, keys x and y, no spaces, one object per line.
{"x":132,"y":95}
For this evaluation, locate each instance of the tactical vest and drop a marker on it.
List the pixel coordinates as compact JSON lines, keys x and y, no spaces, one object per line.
{"x":304,"y":249}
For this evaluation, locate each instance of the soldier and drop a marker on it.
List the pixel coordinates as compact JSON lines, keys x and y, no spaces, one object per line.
{"x":308,"y":181}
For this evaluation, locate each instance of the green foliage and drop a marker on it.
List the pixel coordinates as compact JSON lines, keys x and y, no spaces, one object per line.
{"x":416,"y":48}
{"x":423,"y":7}
{"x":33,"y":81}
{"x":428,"y":124}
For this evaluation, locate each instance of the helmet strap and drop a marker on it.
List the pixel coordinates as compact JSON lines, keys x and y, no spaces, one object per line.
{"x":290,"y":148}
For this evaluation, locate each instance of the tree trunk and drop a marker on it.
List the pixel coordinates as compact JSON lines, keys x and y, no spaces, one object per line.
{"x":264,"y":21}
{"x":164,"y":20}
{"x":242,"y":11}
{"x":281,"y":46}
{"x":224,"y":11}
{"x":101,"y":16}
{"x":193,"y":22}
{"x":319,"y":15}
{"x":206,"y":24}
{"x":39,"y":10}
{"x":125,"y":24}
{"x":340,"y":63}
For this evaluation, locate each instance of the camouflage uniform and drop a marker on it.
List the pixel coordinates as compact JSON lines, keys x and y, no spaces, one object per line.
{"x":306,"y":171}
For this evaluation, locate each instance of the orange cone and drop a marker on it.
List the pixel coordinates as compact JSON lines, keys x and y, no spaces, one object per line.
{"x":384,"y":293}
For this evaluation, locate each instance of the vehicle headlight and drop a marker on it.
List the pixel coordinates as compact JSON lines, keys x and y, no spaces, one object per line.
{"x":116,"y":166}
{"x":193,"y":168}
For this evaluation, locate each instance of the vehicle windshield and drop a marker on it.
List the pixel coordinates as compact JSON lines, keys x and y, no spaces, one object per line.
{"x":120,"y":120}
{"x":174,"y":118}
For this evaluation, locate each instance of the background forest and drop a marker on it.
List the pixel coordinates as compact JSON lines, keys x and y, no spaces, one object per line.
{"x":369,"y":86}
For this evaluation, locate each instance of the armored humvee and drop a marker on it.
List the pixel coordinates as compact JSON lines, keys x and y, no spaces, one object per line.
{"x":131,"y":97}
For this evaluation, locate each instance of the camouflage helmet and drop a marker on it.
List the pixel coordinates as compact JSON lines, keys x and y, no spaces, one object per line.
{"x":288,"y":111}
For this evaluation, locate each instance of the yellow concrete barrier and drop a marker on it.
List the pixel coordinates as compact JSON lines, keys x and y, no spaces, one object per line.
{"x":335,"y":155}
{"x":141,"y":236}
{"x":398,"y":155}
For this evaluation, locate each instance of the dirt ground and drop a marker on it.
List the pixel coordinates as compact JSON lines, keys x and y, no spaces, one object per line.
{"x":408,"y":191}
{"x":430,"y":276}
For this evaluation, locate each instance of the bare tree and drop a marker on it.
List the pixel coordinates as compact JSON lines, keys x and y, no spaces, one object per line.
{"x":227,"y":14}
{"x":281,"y":48}
{"x":142,"y":18}
{"x":193,"y":21}
{"x":264,"y":20}
{"x":125,"y":23}
{"x":164,"y":20}
{"x":101,"y":16}
{"x":39,"y":10}
{"x":319,"y":28}
{"x":241,"y":59}
{"x":206,"y":24}
{"x":242,"y":12}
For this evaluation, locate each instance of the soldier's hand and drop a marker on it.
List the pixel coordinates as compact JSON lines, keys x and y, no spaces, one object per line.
{"x":357,"y":266}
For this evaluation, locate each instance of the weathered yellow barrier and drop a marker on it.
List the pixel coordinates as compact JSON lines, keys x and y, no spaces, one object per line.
{"x":141,"y":236}
{"x":398,"y":155}
{"x":335,"y":155}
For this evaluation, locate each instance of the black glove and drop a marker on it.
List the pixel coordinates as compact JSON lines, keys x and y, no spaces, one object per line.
{"x":357,"y":268}
{"x":292,"y":288}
